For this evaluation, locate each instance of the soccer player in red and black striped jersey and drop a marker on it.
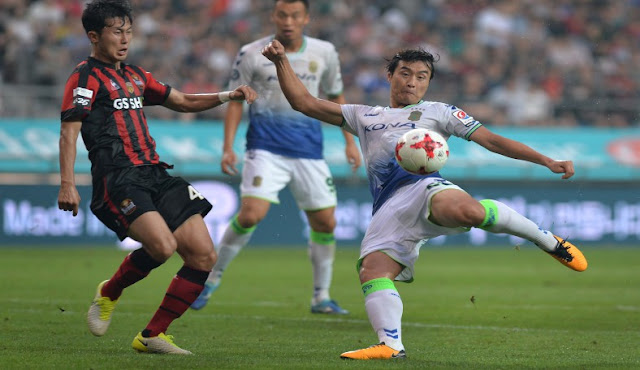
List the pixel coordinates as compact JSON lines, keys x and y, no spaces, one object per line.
{"x":133,"y":194}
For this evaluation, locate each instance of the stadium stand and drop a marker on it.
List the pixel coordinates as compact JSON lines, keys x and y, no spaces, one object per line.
{"x":510,"y":63}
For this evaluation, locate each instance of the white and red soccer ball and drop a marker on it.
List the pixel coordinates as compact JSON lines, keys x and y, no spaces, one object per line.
{"x":422,"y":151}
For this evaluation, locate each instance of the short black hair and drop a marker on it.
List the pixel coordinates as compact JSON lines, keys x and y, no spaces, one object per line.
{"x":412,"y":55}
{"x":97,"y":12}
{"x":305,"y":2}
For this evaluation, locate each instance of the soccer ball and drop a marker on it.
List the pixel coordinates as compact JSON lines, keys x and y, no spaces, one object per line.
{"x":422,"y":151}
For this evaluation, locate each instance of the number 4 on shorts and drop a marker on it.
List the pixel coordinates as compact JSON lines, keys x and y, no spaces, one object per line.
{"x":193,"y":193}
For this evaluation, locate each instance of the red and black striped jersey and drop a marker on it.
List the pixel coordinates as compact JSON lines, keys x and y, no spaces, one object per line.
{"x":109,"y":103}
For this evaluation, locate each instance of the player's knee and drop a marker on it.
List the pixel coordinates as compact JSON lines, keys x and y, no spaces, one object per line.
{"x":164,"y":247}
{"x":248,"y":219}
{"x":470,"y":214}
{"x":210,"y":259}
{"x":325,"y":226}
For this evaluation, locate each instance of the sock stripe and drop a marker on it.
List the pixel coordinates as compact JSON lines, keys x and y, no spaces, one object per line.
{"x":322,"y":238}
{"x":193,"y":275}
{"x":375,"y":285}
{"x":170,"y":311}
{"x":142,"y":260}
{"x":239,"y":229}
{"x":177,"y":298}
{"x":491,"y":215}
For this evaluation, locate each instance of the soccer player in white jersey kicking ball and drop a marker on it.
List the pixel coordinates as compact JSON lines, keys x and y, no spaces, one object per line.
{"x":275,"y":157}
{"x":390,"y":247}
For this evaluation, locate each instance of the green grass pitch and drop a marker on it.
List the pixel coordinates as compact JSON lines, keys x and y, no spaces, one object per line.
{"x":528,"y":311}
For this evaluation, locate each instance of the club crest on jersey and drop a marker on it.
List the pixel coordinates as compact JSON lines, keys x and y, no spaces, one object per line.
{"x":463,"y":117}
{"x":127,"y":206}
{"x":415,"y":115}
{"x":313,"y":66}
{"x":257,"y":181}
{"x":129,"y":87}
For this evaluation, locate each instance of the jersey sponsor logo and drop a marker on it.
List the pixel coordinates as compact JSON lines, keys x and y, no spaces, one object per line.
{"x":127,"y":206}
{"x":384,"y":126}
{"x":415,"y":115}
{"x":81,"y":91}
{"x":239,"y":58}
{"x":128,"y":103}
{"x":463,"y":117}
{"x":81,"y":101}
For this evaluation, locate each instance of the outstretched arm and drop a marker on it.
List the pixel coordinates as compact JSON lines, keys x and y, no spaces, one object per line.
{"x":515,"y":149}
{"x":181,"y":102}
{"x":296,"y":93}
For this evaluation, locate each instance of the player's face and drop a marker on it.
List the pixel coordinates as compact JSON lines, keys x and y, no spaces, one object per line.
{"x":409,"y":83}
{"x":289,"y":19}
{"x":112,"y":44}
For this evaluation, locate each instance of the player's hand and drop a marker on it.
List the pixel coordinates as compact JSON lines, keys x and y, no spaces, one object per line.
{"x":565,"y":167}
{"x":243,"y":92}
{"x":353,"y":156}
{"x":228,"y":162}
{"x":274,"y":51}
{"x":68,"y":198}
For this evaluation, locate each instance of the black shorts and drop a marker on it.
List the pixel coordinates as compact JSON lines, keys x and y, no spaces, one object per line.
{"x":124,"y":194}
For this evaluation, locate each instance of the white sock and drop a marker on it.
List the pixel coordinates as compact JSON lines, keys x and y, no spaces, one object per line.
{"x":230,"y":245}
{"x":384,"y":308}
{"x":506,"y":220}
{"x":322,"y":257}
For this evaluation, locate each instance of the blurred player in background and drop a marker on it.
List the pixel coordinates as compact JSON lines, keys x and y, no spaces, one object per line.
{"x":133,"y":194}
{"x":284,"y":147}
{"x":407,"y":208}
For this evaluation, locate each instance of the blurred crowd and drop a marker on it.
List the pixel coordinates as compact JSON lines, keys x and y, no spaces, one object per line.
{"x":506,"y":62}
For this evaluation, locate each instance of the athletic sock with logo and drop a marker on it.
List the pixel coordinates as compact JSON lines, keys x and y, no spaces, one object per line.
{"x":185,"y":287}
{"x":322,"y":247}
{"x":500,"y":218}
{"x":135,"y":267}
{"x":384,"y":308}
{"x":235,"y":237}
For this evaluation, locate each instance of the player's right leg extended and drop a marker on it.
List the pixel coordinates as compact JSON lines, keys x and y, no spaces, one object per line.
{"x":500,"y":218}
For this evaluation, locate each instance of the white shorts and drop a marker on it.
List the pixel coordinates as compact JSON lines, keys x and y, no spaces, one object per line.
{"x":265,"y":174}
{"x":402,"y":224}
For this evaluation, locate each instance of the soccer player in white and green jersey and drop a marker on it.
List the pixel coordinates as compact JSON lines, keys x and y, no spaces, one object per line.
{"x":408,"y":208}
{"x":284,"y":148}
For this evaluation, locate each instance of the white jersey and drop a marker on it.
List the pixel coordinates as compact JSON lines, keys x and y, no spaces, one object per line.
{"x":273,"y":125}
{"x":379,"y":128}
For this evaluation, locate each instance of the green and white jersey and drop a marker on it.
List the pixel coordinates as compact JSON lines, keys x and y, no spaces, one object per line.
{"x":379,"y":128}
{"x":273,"y":125}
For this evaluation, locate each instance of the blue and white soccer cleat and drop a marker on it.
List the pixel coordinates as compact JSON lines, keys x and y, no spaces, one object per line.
{"x":328,"y":306}
{"x":204,"y":296}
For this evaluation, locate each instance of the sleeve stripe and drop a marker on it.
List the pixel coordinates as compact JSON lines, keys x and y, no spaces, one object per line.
{"x":468,"y":135}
